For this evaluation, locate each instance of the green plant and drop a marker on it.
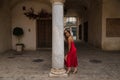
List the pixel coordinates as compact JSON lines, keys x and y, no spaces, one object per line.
{"x":18,"y":32}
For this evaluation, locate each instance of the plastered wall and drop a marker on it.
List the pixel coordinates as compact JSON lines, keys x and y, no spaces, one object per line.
{"x":110,"y":9}
{"x":5,"y":26}
{"x":29,"y":26}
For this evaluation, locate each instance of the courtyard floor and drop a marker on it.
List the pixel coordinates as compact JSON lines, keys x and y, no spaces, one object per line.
{"x":94,"y":64}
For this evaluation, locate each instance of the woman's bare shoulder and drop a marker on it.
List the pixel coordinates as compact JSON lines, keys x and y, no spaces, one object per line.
{"x":70,"y":38}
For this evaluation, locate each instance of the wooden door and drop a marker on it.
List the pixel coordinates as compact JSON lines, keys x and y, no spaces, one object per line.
{"x":80,"y":32}
{"x":44,"y":33}
{"x":86,"y":31}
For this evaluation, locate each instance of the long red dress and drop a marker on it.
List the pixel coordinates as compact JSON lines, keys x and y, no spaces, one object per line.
{"x":71,"y":60}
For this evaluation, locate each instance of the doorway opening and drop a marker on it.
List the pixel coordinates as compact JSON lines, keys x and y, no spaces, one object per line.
{"x":71,"y":24}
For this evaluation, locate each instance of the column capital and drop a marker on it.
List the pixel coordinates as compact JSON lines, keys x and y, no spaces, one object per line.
{"x":52,"y":1}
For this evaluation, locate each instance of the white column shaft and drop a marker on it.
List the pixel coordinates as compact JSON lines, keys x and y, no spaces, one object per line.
{"x":57,"y":36}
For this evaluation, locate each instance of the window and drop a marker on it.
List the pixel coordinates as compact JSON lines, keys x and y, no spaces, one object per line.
{"x":71,"y":24}
{"x":71,"y":21}
{"x":74,"y":31}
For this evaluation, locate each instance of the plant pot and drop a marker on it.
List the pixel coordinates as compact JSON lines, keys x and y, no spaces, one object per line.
{"x":19,"y":47}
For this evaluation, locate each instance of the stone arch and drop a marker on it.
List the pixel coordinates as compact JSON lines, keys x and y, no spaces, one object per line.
{"x":15,"y":3}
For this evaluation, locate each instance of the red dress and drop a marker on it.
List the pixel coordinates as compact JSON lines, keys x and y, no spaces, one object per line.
{"x":71,"y":60}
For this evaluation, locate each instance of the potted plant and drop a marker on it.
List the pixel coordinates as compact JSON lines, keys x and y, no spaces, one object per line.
{"x":18,"y":32}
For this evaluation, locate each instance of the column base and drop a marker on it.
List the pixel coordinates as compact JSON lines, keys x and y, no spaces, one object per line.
{"x":58,"y":73}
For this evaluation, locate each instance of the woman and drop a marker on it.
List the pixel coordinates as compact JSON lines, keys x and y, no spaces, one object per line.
{"x":71,"y":57}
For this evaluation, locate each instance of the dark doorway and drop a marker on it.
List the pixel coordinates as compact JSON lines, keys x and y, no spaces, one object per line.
{"x":86,"y":31}
{"x":44,"y":33}
{"x":80,"y":32}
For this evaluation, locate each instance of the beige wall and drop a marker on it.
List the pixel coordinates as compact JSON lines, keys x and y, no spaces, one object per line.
{"x":5,"y":26}
{"x":20,"y":20}
{"x":95,"y":24}
{"x":111,"y":9}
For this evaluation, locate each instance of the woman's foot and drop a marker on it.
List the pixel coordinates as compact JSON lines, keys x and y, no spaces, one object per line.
{"x":68,"y":71}
{"x":75,"y":71}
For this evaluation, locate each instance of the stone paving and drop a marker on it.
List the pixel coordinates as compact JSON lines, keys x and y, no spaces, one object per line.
{"x":94,"y":64}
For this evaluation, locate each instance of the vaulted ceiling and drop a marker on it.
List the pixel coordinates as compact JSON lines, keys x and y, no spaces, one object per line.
{"x":77,"y":5}
{"x":74,"y":4}
{"x":15,"y":2}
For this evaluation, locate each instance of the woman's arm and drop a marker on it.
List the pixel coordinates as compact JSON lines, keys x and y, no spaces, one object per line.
{"x":69,"y":43}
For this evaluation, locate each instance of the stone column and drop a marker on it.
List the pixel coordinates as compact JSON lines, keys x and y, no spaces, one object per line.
{"x":57,"y":39}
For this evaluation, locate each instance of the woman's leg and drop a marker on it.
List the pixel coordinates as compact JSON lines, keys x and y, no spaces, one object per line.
{"x":68,"y":70}
{"x":75,"y":70}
